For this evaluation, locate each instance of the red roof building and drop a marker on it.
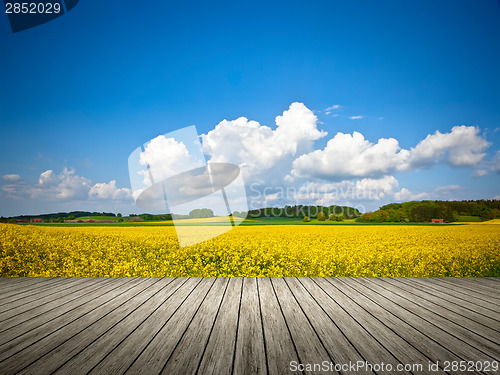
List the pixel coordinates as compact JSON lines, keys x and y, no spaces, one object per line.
{"x":437,"y":221}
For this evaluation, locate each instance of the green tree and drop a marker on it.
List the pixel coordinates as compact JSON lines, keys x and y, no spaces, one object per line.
{"x":120,"y":219}
{"x":118,"y":215}
{"x":199,"y":213}
{"x":306,"y":219}
{"x":321,"y":216}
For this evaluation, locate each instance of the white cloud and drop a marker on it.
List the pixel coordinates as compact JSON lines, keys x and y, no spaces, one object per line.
{"x":347,"y":156}
{"x":496,"y":163}
{"x":65,"y":186}
{"x":47,"y":178}
{"x":166,"y":157}
{"x":463,"y":146}
{"x":480,"y":173}
{"x":333,"y":108}
{"x":11,"y":177}
{"x":331,"y":193}
{"x":109,"y":191}
{"x":447,"y":192}
{"x":406,"y":195}
{"x":358,"y":117}
{"x":258,"y":148}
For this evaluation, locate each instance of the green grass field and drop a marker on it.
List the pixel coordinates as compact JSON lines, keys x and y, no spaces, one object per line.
{"x":469,"y":219}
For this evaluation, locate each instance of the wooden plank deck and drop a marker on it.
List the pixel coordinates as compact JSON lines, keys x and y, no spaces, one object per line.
{"x":249,"y":325}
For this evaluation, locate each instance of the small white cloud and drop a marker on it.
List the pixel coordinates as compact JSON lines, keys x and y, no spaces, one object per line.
{"x":496,"y":163}
{"x":358,"y":117}
{"x":480,"y":172}
{"x":11,"y":177}
{"x":109,"y":191}
{"x":442,"y":192}
{"x":333,"y":108}
{"x":47,"y":178}
{"x":406,"y":195}
{"x":380,"y":118}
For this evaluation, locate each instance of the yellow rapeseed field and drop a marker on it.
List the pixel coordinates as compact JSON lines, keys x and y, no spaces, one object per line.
{"x":274,"y":250}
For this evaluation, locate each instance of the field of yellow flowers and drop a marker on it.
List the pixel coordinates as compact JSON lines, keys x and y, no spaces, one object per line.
{"x":269,"y":250}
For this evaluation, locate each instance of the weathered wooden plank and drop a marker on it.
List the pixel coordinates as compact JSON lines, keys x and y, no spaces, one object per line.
{"x":219,"y":351}
{"x":451,"y":296}
{"x":487,"y":328}
{"x":473,"y":295}
{"x":454,"y":304}
{"x":153,"y":358}
{"x":34,"y":352}
{"x":447,"y":333}
{"x":467,"y":285}
{"x":93,"y":353}
{"x":54,"y":359}
{"x":368,"y":300}
{"x":310,"y":349}
{"x":334,"y":337}
{"x":401,"y":351}
{"x":369,"y":349}
{"x":121,"y":357}
{"x":280,"y":349}
{"x":22,"y":310}
{"x":187,"y":355}
{"x":250,"y":356}
{"x":12,"y":283}
{"x":21,"y":334}
{"x":21,"y":292}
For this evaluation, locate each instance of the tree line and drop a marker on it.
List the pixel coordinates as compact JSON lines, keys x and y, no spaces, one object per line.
{"x":425,"y":211}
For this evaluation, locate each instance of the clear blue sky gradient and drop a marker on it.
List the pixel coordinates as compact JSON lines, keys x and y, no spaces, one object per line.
{"x":86,"y":89}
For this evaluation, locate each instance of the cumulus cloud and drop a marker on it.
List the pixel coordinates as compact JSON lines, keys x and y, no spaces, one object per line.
{"x":327,"y":193}
{"x":463,"y":147}
{"x":361,"y":190}
{"x":64,"y":186}
{"x":47,"y":178}
{"x":347,"y":156}
{"x":258,"y":148}
{"x":166,"y":157}
{"x":442,"y":192}
{"x":11,"y":177}
{"x":109,"y":191}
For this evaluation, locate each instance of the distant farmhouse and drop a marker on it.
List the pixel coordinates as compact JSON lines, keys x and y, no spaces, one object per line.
{"x":437,"y":221}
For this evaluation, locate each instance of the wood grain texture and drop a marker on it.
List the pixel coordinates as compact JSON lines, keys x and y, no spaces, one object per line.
{"x":244,"y":325}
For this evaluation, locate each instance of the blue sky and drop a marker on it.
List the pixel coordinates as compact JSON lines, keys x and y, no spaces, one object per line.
{"x":80,"y":93}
